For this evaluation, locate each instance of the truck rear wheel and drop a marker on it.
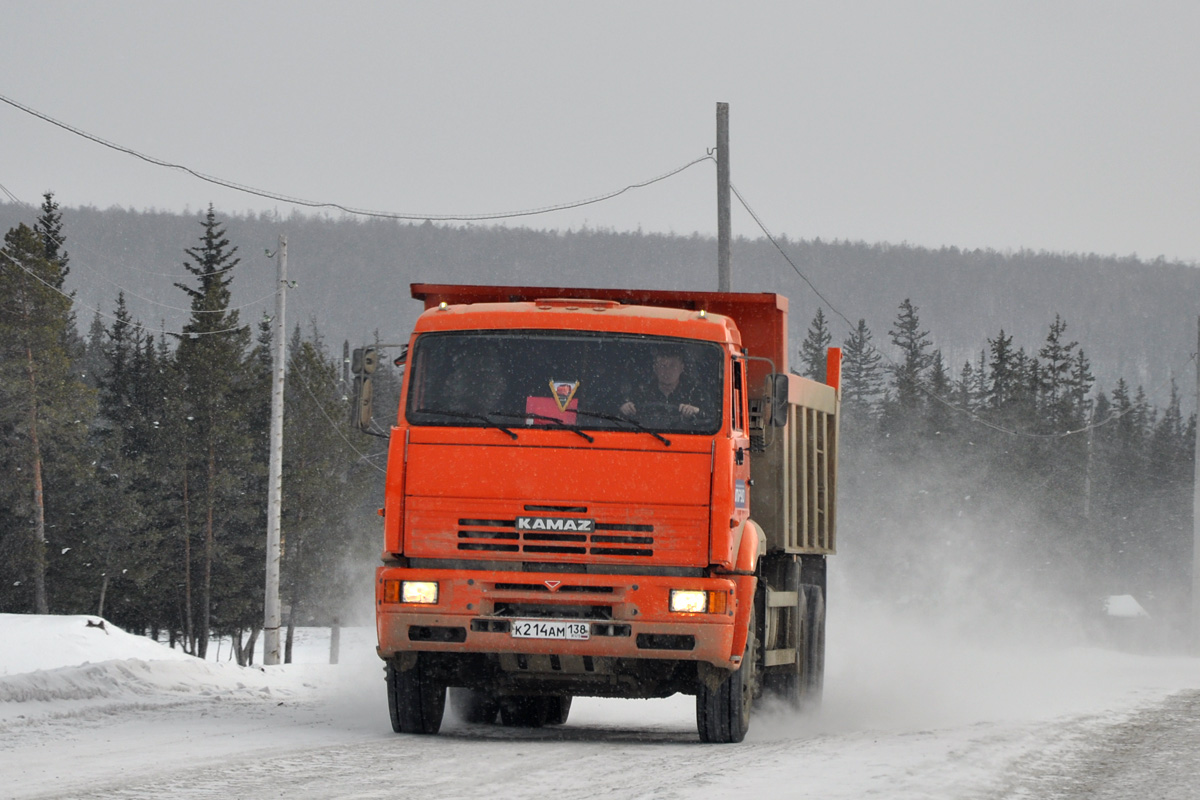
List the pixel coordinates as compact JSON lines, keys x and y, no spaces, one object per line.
{"x":784,"y":682}
{"x":812,"y":677}
{"x":723,"y":714}
{"x":528,"y":711}
{"x":416,"y":700}
{"x":474,"y":705}
{"x":559,"y":710}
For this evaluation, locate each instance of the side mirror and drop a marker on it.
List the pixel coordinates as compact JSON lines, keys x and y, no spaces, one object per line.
{"x":360,"y":409}
{"x":364,"y":360}
{"x":777,"y":391}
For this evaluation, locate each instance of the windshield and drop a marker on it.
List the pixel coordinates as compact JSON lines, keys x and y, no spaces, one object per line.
{"x":553,"y":379}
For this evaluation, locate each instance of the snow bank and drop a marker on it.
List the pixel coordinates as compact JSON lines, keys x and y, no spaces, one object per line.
{"x":33,"y":642}
{"x":54,"y":666}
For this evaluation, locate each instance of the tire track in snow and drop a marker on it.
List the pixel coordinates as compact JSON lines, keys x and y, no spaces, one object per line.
{"x":1152,"y":753}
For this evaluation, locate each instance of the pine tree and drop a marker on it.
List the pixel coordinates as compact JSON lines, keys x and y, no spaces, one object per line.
{"x":1003,"y":373}
{"x":91,"y":366}
{"x":1058,"y":396}
{"x":45,"y":409}
{"x":814,"y":350}
{"x":915,"y":359}
{"x":116,"y":383}
{"x":323,"y":483}
{"x":1079,"y":387}
{"x":211,"y":363}
{"x":964,"y":388}
{"x":941,"y":388}
{"x":134,"y":569}
{"x":168,"y":433}
{"x":1166,"y":541}
{"x":50,"y":227}
{"x":862,"y":376}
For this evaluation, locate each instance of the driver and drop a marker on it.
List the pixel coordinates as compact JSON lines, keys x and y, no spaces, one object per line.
{"x":475,"y":386}
{"x":669,"y":387}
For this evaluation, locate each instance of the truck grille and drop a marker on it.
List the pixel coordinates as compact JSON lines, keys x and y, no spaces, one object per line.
{"x":609,"y":539}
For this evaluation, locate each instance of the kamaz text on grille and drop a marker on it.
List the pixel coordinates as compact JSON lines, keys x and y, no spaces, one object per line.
{"x":573,"y":524}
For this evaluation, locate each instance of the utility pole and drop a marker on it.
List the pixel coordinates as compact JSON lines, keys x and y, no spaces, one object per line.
{"x":1196,"y":508}
{"x":271,"y":615}
{"x":723,"y":222}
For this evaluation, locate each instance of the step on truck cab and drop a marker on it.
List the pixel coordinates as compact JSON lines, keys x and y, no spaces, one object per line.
{"x":604,"y":492}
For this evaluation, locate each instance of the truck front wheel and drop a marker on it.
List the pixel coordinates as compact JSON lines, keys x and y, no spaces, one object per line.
{"x":723,"y":714}
{"x":416,"y":700}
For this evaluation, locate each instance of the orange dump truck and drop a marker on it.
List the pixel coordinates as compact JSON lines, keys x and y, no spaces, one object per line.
{"x":604,"y":492}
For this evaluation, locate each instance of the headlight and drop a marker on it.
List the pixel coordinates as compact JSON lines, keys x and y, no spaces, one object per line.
{"x":689,"y":601}
{"x":418,"y":592}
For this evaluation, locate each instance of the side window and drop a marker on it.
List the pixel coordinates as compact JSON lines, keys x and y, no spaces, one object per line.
{"x":739,"y":390}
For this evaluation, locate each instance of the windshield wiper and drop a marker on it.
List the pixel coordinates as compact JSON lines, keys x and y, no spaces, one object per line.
{"x":627,"y":421}
{"x":466,"y":415}
{"x":555,"y":420}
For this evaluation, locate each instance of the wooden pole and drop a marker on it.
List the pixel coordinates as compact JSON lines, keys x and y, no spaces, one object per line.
{"x":724,"y":276}
{"x":271,"y":610}
{"x":1196,"y":507}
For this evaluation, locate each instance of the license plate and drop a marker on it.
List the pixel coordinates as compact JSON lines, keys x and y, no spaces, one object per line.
{"x":549,"y":629}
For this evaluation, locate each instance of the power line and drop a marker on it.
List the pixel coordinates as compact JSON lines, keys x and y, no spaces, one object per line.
{"x":11,"y":196}
{"x":333,"y":425}
{"x":1113,"y":417}
{"x":270,"y":195}
{"x":129,"y":292}
{"x":132,"y":324}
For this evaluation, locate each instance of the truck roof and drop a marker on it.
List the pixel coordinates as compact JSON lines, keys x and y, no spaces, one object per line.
{"x":760,"y":317}
{"x":581,"y":314}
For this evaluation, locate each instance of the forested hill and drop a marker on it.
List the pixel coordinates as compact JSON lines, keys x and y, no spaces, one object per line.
{"x":1134,"y":319}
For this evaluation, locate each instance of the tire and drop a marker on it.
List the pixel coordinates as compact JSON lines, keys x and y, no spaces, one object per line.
{"x":784,"y":683}
{"x":559,"y":709}
{"x":474,"y":705}
{"x":723,"y":714}
{"x":813,"y":677}
{"x":416,"y":700}
{"x":525,"y":712}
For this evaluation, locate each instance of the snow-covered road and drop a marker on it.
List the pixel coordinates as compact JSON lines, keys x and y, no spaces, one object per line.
{"x":908,"y":714}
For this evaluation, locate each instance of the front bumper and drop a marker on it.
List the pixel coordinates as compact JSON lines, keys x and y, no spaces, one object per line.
{"x":627,"y":615}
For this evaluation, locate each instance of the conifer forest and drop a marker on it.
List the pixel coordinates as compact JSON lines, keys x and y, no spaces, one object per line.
{"x":136,"y":449}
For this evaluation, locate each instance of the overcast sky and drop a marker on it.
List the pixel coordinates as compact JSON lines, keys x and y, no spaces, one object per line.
{"x":1066,"y":126}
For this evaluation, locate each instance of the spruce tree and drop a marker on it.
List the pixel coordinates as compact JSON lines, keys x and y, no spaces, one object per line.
{"x":1079,"y":386}
{"x":50,"y":227}
{"x":915,"y":359}
{"x":211,"y":362}
{"x":814,"y":350}
{"x":323,"y":483}
{"x":862,"y":375}
{"x":939,"y":412}
{"x":1003,"y":373}
{"x":964,"y":388}
{"x":1058,"y":396}
{"x":92,"y":364}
